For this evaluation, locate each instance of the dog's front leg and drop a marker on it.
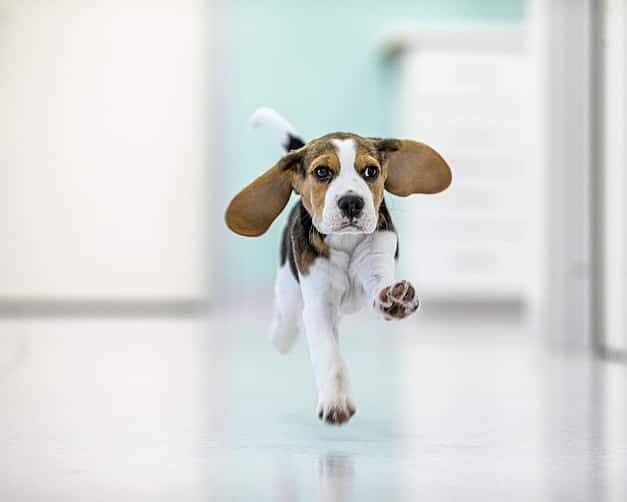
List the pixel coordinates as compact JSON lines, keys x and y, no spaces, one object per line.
{"x":322,"y":288}
{"x":373,"y":266}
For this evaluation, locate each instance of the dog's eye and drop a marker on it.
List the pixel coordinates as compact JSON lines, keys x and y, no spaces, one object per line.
{"x":322,"y":172}
{"x":371,"y":172}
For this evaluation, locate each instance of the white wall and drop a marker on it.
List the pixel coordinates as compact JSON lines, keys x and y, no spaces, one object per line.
{"x":104,"y":142}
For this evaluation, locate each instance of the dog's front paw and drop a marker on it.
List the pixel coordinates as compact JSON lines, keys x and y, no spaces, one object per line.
{"x":335,"y":407}
{"x":397,"y":301}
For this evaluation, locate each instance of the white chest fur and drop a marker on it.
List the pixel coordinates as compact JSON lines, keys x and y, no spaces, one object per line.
{"x":342,"y":248}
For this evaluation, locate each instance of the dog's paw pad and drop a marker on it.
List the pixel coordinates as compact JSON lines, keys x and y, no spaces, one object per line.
{"x":397,"y":301}
{"x":336,"y":411}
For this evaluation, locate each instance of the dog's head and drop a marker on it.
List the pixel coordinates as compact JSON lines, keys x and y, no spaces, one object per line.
{"x":341,"y":178}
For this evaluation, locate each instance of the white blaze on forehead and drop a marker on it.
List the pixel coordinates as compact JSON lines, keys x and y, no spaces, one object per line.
{"x":348,"y":180}
{"x":346,"y":152}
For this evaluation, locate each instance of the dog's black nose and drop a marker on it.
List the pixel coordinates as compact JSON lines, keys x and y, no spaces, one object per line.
{"x":351,"y":205}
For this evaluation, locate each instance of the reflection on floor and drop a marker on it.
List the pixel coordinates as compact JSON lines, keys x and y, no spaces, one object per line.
{"x":192,"y":410}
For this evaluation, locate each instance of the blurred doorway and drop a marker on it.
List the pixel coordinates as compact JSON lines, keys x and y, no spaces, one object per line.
{"x":611,"y":162}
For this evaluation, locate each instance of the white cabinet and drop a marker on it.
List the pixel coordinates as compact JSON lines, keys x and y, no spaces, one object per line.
{"x":464,"y":92}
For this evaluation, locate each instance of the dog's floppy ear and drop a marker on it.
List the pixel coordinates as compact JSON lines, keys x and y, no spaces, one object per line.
{"x":252,"y":211}
{"x":413,"y":167}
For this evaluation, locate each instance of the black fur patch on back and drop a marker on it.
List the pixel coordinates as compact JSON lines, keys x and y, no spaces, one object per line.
{"x":301,"y":243}
{"x":385,"y":223}
{"x":287,"y":250}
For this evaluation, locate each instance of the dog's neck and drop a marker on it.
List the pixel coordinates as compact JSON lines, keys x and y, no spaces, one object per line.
{"x":344,"y":242}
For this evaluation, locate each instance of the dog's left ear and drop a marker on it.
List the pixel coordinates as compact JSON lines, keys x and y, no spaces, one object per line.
{"x":413,"y":167}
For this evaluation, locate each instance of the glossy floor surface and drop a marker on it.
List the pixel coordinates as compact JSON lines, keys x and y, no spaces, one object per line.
{"x":447,"y":409}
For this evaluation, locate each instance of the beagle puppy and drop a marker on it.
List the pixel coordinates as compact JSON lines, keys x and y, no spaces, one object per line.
{"x":339,"y":246}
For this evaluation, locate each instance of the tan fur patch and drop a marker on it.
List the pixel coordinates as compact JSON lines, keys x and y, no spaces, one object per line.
{"x":307,"y":244}
{"x":311,"y":189}
{"x":306,"y":258}
{"x":366,"y":157}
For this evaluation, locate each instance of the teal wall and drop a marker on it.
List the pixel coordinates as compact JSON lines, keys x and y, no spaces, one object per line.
{"x":319,"y":63}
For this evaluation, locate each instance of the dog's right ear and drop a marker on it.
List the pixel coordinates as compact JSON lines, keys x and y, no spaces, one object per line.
{"x":252,"y":211}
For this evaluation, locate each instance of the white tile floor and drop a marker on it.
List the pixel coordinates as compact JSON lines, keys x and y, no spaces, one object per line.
{"x":132,"y":410}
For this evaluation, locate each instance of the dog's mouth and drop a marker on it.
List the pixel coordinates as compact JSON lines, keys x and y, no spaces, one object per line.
{"x":355,"y":225}
{"x":350,"y":227}
{"x":343,"y":228}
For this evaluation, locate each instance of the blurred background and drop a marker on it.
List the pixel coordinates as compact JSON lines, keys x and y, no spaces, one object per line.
{"x":133,"y":351}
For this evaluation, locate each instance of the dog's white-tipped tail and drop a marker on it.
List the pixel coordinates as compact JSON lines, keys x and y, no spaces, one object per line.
{"x":283,"y":130}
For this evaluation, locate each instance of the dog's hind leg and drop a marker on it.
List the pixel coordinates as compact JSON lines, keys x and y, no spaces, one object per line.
{"x":288,"y":308}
